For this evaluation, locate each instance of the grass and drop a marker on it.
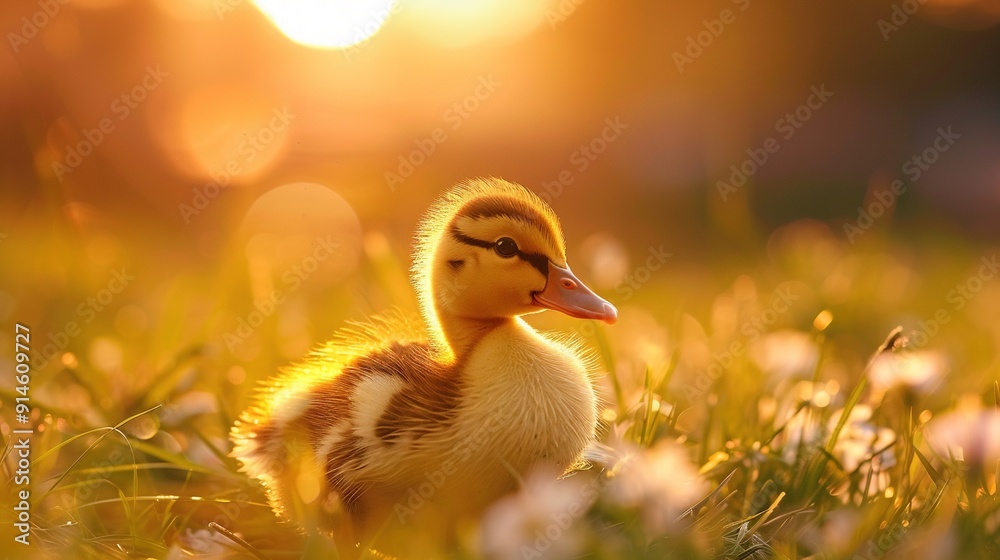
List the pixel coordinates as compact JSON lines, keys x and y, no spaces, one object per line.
{"x":800,"y":453}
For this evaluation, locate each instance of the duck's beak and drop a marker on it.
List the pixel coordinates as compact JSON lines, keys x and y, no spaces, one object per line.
{"x":565,"y":292}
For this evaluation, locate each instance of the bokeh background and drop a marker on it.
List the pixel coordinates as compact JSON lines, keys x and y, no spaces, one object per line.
{"x":215,"y":153}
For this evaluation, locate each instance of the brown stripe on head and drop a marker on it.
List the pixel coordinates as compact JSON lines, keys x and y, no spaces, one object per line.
{"x":489,"y":216}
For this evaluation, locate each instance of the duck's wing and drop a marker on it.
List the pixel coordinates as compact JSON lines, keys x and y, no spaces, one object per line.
{"x":372,"y":429}
{"x":280,"y":397}
{"x":294,"y":409}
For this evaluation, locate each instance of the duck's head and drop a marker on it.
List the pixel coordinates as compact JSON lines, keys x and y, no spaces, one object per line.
{"x":491,"y":249}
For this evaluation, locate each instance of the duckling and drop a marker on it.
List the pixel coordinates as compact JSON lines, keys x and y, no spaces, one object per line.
{"x":393,"y":422}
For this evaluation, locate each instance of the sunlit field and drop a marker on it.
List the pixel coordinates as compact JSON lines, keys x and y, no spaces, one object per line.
{"x":755,"y":409}
{"x":807,"y":358}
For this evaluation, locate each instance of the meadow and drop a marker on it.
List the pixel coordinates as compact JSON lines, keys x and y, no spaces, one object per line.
{"x":817,"y":399}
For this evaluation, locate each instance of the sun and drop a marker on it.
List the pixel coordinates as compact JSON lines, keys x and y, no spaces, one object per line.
{"x":327,"y":24}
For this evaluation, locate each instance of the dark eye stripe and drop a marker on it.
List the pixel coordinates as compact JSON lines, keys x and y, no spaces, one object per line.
{"x":538,"y":261}
{"x":517,"y":209}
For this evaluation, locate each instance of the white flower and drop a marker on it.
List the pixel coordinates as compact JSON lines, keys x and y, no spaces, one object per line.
{"x":802,"y":426}
{"x":967,"y":434}
{"x":860,"y":439}
{"x":660,"y":482}
{"x":541,"y":520}
{"x":864,"y":447}
{"x":785,"y":353}
{"x":919,"y":370}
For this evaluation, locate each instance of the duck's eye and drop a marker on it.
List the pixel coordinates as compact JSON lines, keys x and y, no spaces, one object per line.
{"x":505,"y":247}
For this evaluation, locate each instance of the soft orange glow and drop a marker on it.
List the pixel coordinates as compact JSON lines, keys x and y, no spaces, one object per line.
{"x":228,"y":135}
{"x":327,"y":24}
{"x":297,"y":235}
{"x":456,"y":24}
{"x":97,"y":4}
{"x":195,"y":10}
{"x":823,"y":320}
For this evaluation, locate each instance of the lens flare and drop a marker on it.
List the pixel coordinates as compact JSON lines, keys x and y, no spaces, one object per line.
{"x":327,"y":24}
{"x":460,"y":24}
{"x":300,"y":236}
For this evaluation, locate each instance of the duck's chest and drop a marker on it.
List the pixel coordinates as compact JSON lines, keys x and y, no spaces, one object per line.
{"x":528,"y":403}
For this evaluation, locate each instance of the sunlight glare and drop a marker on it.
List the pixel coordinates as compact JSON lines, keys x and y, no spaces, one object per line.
{"x":327,"y":24}
{"x":459,"y":24}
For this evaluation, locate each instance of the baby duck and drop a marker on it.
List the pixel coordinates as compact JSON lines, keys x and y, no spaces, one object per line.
{"x":389,"y":418}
